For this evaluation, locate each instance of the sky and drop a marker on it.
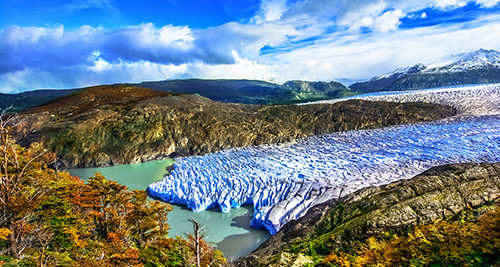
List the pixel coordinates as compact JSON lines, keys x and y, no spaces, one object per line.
{"x":76,"y":43}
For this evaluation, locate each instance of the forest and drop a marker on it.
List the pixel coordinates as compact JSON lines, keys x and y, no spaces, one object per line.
{"x":49,"y":218}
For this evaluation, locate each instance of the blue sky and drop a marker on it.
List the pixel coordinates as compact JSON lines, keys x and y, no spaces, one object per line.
{"x":75,"y":43}
{"x":117,"y":14}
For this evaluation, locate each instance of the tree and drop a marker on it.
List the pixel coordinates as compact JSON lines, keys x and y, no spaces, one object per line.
{"x":22,"y":187}
{"x":48,"y":217}
{"x":443,"y":243}
{"x":196,"y":240}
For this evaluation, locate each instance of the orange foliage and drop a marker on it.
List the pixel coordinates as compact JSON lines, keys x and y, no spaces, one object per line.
{"x":447,"y":243}
{"x":51,"y":218}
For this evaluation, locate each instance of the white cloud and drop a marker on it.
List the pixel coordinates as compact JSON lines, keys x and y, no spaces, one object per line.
{"x":388,"y":21}
{"x":364,"y":16}
{"x":56,"y":57}
{"x":303,"y":45}
{"x":346,"y":57}
{"x":243,"y":68}
{"x":270,"y":10}
{"x":487,"y":3}
{"x":450,"y":3}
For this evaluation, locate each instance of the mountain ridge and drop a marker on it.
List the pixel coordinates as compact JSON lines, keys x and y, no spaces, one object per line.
{"x":223,"y":90}
{"x":477,"y":67}
{"x":252,"y":91}
{"x":108,"y":125}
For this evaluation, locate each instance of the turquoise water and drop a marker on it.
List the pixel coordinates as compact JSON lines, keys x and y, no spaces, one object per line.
{"x":230,"y":232}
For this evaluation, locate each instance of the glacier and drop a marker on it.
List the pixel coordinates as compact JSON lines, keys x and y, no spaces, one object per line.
{"x":283,"y":181}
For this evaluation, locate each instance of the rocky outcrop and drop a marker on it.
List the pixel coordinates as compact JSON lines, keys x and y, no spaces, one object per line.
{"x":109,"y":125}
{"x":441,"y":192}
{"x":308,"y":91}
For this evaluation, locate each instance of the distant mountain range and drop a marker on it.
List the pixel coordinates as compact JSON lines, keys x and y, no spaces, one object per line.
{"x":228,"y":91}
{"x":478,"y":67}
{"x":30,"y":99}
{"x":252,"y":91}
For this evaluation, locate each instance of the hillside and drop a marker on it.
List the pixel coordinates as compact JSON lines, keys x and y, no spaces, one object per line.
{"x":253,"y":91}
{"x":478,"y":67}
{"x":25,"y":100}
{"x":335,"y":230}
{"x":229,"y":91}
{"x":108,"y":125}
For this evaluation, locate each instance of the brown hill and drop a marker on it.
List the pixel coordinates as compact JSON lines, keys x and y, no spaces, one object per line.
{"x":107,"y":125}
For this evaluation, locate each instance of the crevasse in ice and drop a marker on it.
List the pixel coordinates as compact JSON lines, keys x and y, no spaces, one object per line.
{"x":283,"y":181}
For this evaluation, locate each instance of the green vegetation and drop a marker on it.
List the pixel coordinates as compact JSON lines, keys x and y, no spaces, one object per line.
{"x":49,"y":218}
{"x":470,"y":238}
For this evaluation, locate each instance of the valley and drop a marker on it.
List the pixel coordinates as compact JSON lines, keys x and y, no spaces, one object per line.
{"x":286,"y":176}
{"x":283,"y":182}
{"x":277,"y":133}
{"x":111,"y":125}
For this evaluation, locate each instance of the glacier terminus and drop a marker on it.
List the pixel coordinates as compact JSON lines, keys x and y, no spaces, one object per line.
{"x":283,"y":181}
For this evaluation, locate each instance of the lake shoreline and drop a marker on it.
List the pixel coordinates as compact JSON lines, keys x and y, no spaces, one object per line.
{"x":229,"y":232}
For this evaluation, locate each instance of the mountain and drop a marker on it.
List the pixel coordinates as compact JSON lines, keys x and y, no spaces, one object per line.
{"x":252,"y":91}
{"x":30,"y":99}
{"x":478,"y":67}
{"x":119,"y":124}
{"x":229,"y":91}
{"x":449,"y":196}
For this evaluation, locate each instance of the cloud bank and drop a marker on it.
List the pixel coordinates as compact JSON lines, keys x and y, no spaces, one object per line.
{"x":310,"y":40}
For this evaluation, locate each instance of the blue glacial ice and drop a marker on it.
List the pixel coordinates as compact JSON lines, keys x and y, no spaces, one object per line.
{"x":283,"y":181}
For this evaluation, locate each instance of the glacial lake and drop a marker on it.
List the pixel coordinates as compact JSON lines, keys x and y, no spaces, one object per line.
{"x":230,"y":232}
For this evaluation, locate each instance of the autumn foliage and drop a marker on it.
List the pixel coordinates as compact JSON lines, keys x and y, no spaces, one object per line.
{"x":49,"y":218}
{"x":442,"y":243}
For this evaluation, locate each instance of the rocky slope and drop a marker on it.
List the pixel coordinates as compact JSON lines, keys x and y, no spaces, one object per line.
{"x":439,"y":193}
{"x":107,"y":125}
{"x":478,"y":67}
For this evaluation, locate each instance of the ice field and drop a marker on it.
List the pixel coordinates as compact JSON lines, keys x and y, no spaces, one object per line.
{"x":283,"y":181}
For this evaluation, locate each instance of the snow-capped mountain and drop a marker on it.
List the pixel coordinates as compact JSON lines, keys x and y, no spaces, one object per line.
{"x":478,"y":67}
{"x":469,"y":61}
{"x":400,"y":72}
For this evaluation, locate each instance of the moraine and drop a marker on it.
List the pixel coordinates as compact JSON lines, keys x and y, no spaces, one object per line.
{"x":283,"y":181}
